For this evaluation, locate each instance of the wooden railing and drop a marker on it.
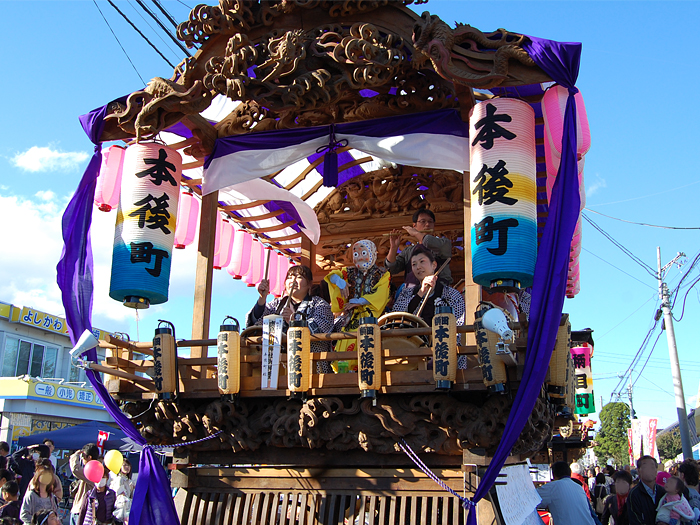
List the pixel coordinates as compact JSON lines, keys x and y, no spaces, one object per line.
{"x":198,"y":375}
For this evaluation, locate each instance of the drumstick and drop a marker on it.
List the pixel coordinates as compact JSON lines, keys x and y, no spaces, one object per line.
{"x":427,"y":293}
{"x":267,"y":264}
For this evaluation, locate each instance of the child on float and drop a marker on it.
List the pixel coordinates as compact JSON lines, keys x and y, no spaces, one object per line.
{"x":357,"y":291}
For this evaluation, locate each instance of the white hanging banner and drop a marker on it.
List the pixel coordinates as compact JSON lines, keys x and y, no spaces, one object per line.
{"x":273,"y":326}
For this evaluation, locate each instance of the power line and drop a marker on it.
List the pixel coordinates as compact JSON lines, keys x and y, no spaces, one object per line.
{"x":155,"y":30}
{"x":140,"y":33}
{"x":645,"y":224}
{"x":619,"y":269}
{"x":118,"y":42}
{"x":167,"y":32}
{"x":636,"y":259}
{"x":645,"y":196}
{"x":165,"y":12}
{"x":636,"y":357}
{"x":625,"y":319}
{"x":645,"y":362}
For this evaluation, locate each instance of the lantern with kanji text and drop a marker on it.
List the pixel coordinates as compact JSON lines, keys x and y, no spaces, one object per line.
{"x":299,"y":363}
{"x":444,"y":348}
{"x":504,"y":194}
{"x":145,"y":227}
{"x":165,"y":374}
{"x":228,"y":358}
{"x":369,"y":356}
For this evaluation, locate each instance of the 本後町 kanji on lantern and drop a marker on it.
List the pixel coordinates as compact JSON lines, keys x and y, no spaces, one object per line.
{"x":503,"y":191}
{"x":145,"y":229}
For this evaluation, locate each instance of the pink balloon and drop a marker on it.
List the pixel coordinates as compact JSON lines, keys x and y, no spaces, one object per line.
{"x":94,"y":471}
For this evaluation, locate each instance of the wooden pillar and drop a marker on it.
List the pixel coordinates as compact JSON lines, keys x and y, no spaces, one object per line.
{"x":205,"y":269}
{"x":472,"y":291}
{"x":308,"y":253}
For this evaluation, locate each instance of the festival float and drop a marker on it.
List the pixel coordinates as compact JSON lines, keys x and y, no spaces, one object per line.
{"x":297,"y":130}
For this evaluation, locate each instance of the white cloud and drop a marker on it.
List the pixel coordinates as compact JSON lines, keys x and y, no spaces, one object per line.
{"x":39,"y":158}
{"x":32,"y":243}
{"x":47,"y":195}
{"x":597,"y":184}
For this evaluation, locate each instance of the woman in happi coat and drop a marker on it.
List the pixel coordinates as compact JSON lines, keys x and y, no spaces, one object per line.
{"x":297,"y":304}
{"x":357,"y":291}
{"x":423,"y":265}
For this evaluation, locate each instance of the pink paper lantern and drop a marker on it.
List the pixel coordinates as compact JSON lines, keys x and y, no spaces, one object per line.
{"x":110,"y":179}
{"x":553,"y":108}
{"x":257,"y":262}
{"x":187,"y":214}
{"x":222,"y":254}
{"x":240,"y":254}
{"x":282,"y":268}
{"x":271,"y":269}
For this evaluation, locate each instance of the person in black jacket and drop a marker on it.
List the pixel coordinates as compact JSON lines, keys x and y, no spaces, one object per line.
{"x":615,"y":508}
{"x":644,"y":498}
{"x":25,"y":463}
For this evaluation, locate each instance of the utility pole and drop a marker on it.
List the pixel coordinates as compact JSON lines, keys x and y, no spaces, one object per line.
{"x":673,"y":355}
{"x":629,"y":391}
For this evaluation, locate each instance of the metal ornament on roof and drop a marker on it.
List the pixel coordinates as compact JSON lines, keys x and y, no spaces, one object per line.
{"x":503,"y":190}
{"x":145,"y":228}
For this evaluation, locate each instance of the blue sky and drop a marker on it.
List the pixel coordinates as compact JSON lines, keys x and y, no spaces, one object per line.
{"x":63,"y":61}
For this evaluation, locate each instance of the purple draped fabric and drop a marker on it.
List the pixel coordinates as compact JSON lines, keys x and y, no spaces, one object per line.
{"x":561,"y":62}
{"x":153,"y":503}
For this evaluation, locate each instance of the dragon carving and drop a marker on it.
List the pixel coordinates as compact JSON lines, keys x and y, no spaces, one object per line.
{"x":467,"y":56}
{"x":161,"y":104}
{"x":429,"y":423}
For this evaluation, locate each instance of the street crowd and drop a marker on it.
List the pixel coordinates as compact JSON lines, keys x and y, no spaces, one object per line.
{"x":646,"y":495}
{"x":31,"y":492}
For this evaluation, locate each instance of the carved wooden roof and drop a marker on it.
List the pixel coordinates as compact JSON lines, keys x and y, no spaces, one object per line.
{"x":299,"y":63}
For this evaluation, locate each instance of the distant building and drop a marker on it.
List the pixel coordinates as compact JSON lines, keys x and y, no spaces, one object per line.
{"x":40,"y":389}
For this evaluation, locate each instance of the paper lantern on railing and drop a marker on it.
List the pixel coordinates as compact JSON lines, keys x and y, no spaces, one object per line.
{"x":110,"y":179}
{"x":503,"y":192}
{"x":228,"y":359}
{"x":493,"y":368}
{"x":257,"y":262}
{"x":369,"y":357}
{"x":299,"y":363}
{"x":222,"y":257}
{"x":187,"y":215}
{"x":145,"y":229}
{"x":165,"y":361}
{"x":240,"y":254}
{"x":553,"y":109}
{"x":444,"y":348}
{"x":558,"y":373}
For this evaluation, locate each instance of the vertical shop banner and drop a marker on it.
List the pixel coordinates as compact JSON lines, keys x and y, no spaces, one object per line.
{"x":581,"y":357}
{"x":629,"y":445}
{"x":637,"y":438}
{"x":649,"y":436}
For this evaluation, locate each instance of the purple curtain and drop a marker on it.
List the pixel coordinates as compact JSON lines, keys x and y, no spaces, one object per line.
{"x":153,"y":503}
{"x":561,"y":62}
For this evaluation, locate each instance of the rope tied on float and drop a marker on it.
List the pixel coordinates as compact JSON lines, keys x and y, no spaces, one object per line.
{"x":466,"y":502}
